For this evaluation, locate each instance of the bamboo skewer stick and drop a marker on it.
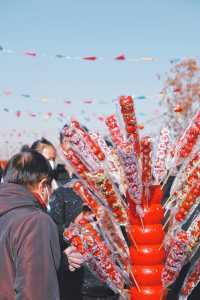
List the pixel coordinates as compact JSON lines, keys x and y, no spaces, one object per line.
{"x":136,"y":283}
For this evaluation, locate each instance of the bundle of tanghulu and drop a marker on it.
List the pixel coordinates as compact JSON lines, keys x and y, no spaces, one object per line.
{"x":123,"y":185}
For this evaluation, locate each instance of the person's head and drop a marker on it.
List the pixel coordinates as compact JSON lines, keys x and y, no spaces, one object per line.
{"x":47,"y":149}
{"x":31,"y":170}
{"x":63,"y":139}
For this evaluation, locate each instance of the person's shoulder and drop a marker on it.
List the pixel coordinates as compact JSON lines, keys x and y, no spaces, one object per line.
{"x":43,"y":218}
{"x":35,"y":219}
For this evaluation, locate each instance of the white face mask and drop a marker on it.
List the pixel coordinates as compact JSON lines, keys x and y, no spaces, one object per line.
{"x":46,"y":196}
{"x":52,"y":164}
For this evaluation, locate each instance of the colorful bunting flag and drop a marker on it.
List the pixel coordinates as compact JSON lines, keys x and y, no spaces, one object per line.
{"x":87,"y":101}
{"x":18,"y":113}
{"x":60,"y":56}
{"x":26,"y":95}
{"x":30,"y":53}
{"x":120,"y":57}
{"x":92,"y":58}
{"x":140,"y":97}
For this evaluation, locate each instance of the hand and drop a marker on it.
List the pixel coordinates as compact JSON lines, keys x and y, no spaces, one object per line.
{"x":75,"y":259}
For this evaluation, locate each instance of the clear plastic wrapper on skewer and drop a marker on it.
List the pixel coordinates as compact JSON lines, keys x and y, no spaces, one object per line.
{"x":88,"y":198}
{"x":194,"y":236}
{"x":176,"y":258}
{"x":183,"y":246}
{"x":88,"y":241}
{"x":188,"y":172}
{"x":160,"y":166}
{"x":75,"y":137}
{"x":188,"y":204}
{"x":146,"y":158}
{"x":112,"y":234}
{"x":114,"y":130}
{"x":188,"y":140}
{"x":112,"y":164}
{"x":93,"y":146}
{"x":191,"y":281}
{"x":109,"y":229}
{"x":128,"y":114}
{"x":102,"y":184}
{"x":129,"y":161}
{"x":185,"y":145}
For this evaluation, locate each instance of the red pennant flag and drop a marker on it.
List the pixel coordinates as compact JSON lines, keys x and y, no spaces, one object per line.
{"x":120,"y":57}
{"x":92,"y":58}
{"x":87,"y":101}
{"x":18,"y":113}
{"x":30,"y":53}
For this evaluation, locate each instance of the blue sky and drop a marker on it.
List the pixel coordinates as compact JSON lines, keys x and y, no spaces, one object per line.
{"x":105,"y":28}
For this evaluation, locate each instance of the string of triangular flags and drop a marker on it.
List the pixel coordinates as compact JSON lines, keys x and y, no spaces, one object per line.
{"x":68,"y":101}
{"x":91,"y":58}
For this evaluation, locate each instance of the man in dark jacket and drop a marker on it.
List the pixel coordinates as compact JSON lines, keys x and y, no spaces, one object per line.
{"x":29,"y":243}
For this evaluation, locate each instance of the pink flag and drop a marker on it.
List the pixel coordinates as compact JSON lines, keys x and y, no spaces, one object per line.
{"x":120,"y":57}
{"x":18,"y":113}
{"x":67,"y":102}
{"x":30,"y":53}
{"x":87,"y":101}
{"x":92,"y":58}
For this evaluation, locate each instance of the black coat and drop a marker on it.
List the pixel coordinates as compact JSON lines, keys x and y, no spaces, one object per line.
{"x":65,"y":207}
{"x":29,"y":247}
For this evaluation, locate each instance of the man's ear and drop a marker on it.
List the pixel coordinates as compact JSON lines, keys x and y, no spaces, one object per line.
{"x":41,"y":185}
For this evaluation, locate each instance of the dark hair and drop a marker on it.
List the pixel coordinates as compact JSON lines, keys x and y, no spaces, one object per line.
{"x":25,"y":148}
{"x":62,"y":133}
{"x":27,"y":168}
{"x":60,"y":174}
{"x":1,"y":172}
{"x":39,"y":145}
